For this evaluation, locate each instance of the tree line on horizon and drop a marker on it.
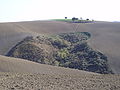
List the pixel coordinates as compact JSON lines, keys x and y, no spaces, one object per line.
{"x":77,"y":19}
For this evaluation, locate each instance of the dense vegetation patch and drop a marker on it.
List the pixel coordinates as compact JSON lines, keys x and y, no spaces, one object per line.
{"x":65,"y":50}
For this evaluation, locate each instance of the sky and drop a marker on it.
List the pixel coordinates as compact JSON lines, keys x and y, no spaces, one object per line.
{"x":28,"y":10}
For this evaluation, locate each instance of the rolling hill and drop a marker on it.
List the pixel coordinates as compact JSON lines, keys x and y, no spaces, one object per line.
{"x":17,"y":74}
{"x":63,"y":49}
{"x":21,"y":74}
{"x":105,"y":35}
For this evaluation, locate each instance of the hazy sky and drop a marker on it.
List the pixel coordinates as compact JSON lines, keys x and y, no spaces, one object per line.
{"x":24,"y":10}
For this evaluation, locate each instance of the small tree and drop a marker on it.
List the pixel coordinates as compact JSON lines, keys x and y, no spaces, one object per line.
{"x":81,"y":18}
{"x":92,"y":20}
{"x":87,"y":19}
{"x":73,"y":19}
{"x":65,"y":17}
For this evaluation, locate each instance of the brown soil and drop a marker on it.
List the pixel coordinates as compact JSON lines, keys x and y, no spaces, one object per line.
{"x":17,"y":74}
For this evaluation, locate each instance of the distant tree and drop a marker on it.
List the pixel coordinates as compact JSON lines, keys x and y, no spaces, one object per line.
{"x":76,"y":18}
{"x":80,"y":18}
{"x":73,"y":19}
{"x":65,"y":17}
{"x":87,"y":19}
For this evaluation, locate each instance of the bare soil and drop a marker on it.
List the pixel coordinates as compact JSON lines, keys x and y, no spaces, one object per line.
{"x":17,"y":74}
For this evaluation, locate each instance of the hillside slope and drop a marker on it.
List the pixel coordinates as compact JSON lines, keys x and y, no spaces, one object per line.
{"x":15,"y":65}
{"x":105,"y":35}
{"x":17,"y":74}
